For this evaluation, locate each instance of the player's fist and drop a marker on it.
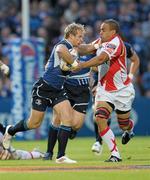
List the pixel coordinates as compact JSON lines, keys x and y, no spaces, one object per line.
{"x":64,"y":66}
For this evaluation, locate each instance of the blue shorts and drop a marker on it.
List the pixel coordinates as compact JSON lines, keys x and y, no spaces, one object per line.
{"x":43,"y":95}
{"x":78,"y":96}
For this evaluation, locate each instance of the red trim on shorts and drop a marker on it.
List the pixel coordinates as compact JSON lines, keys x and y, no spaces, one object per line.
{"x":104,"y":131}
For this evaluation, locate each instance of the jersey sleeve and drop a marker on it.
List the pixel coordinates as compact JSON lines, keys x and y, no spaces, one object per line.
{"x":111,"y":48}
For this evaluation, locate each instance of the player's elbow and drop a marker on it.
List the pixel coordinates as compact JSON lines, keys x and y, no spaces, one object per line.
{"x":135,"y":59}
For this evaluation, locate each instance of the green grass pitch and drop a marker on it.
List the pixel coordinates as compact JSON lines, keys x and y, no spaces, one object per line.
{"x":135,"y":164}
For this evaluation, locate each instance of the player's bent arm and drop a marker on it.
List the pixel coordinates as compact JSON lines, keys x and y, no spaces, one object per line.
{"x":135,"y":62}
{"x":64,"y":54}
{"x":95,"y":61}
{"x":85,"y":49}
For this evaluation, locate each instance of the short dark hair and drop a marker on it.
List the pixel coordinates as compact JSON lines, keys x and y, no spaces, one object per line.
{"x":114,"y":25}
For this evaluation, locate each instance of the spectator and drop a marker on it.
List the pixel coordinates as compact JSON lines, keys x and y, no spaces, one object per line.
{"x":72,"y":12}
{"x":47,"y":17}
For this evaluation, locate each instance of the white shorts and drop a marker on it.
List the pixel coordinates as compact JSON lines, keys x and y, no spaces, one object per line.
{"x":122,"y":99}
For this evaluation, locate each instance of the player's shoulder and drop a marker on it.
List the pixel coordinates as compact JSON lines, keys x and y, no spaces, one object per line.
{"x":63,"y":45}
{"x":116,"y":41}
{"x":112,"y":44}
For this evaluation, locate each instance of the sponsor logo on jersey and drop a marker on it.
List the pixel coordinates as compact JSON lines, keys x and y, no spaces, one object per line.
{"x":110,"y":48}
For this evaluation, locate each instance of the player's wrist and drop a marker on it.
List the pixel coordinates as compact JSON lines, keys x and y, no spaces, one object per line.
{"x":131,"y":76}
{"x":96,"y":46}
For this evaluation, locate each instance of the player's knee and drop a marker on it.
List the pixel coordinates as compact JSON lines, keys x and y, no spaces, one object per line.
{"x":102,"y":113}
{"x":77,"y":125}
{"x":34,"y":125}
{"x":125,"y":124}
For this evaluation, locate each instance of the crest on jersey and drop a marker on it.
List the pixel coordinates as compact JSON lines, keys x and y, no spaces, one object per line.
{"x":38,"y":102}
{"x":110,"y":47}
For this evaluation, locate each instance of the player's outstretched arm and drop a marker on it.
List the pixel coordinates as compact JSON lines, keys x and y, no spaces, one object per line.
{"x":95,"y":61}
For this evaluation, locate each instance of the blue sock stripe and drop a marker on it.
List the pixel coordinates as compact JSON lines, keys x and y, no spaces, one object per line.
{"x":67,"y":128}
{"x":54,"y":127}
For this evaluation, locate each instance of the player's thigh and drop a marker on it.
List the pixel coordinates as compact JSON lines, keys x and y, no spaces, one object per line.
{"x":103,"y":96}
{"x":124,"y":98}
{"x":55,"y":119}
{"x":64,"y":111}
{"x":78,"y":119}
{"x":122,"y":114}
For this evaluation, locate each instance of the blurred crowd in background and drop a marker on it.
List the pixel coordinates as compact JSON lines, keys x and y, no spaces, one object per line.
{"x":48,"y":18}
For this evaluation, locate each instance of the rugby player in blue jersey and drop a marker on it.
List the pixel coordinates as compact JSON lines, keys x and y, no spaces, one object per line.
{"x":77,"y":88}
{"x":49,"y":91}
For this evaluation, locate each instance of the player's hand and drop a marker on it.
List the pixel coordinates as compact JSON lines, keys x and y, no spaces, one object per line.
{"x":77,"y":68}
{"x":4,"y":68}
{"x":98,"y":44}
{"x":64,"y":66}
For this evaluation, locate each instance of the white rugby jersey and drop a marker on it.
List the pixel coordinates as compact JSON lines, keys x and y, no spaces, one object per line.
{"x":113,"y":73}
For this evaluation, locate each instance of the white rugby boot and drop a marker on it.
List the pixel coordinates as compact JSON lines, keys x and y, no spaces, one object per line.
{"x":65,"y":160}
{"x":97,"y":148}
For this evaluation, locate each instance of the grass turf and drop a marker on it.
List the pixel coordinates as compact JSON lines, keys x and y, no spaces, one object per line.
{"x":135,"y":164}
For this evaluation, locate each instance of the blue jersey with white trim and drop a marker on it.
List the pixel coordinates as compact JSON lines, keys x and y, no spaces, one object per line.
{"x":81,"y":77}
{"x":53,"y":75}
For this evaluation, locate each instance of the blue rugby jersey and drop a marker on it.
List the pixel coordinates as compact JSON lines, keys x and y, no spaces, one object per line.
{"x":81,"y":77}
{"x":53,"y":75}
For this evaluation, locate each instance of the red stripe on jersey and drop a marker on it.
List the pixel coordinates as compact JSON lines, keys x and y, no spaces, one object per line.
{"x":117,"y":67}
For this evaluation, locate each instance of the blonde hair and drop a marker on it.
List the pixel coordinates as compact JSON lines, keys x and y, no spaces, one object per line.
{"x":72,"y":29}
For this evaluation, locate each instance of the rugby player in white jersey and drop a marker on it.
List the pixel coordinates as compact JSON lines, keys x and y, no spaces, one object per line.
{"x":97,"y":147}
{"x":115,"y":90}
